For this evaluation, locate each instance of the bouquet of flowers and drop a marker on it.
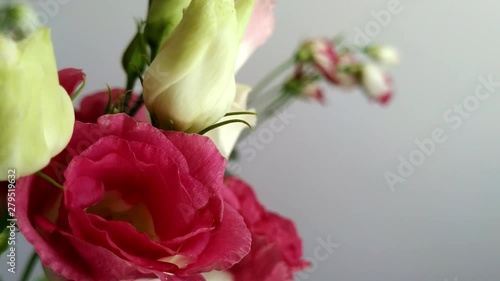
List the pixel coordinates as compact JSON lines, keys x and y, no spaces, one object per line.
{"x":133,"y":184}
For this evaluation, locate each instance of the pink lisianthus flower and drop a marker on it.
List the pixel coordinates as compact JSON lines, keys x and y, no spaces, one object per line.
{"x":322,"y":54}
{"x":315,"y":92}
{"x":137,"y":203}
{"x":276,"y":252}
{"x":70,"y":79}
{"x":260,"y":28}
{"x":347,"y":79}
{"x":93,"y":106}
{"x":305,"y":85}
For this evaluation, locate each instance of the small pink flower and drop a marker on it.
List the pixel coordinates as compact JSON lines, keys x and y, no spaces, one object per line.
{"x":70,"y":79}
{"x":315,"y":92}
{"x":305,"y":85}
{"x":322,"y":54}
{"x":138,"y":203}
{"x":342,"y":78}
{"x":276,"y":252}
{"x":259,"y":29}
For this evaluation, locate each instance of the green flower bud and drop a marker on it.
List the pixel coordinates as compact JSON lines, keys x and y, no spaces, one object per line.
{"x":38,"y":113}
{"x":384,"y":54}
{"x":134,"y":59}
{"x":163,"y":17}
{"x":18,"y":21}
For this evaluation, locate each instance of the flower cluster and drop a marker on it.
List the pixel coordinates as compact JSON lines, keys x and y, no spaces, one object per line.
{"x":323,"y":59}
{"x":132,"y":185}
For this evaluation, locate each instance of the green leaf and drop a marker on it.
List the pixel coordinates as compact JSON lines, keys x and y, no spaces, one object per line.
{"x":4,"y":216}
{"x":4,"y":238}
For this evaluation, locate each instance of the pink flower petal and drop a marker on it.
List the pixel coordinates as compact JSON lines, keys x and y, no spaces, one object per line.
{"x":70,"y":79}
{"x":260,"y":28}
{"x":219,"y":254}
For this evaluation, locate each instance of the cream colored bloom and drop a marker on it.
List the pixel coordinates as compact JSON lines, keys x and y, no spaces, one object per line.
{"x":225,"y":137}
{"x":36,"y":112}
{"x":190,"y":84}
{"x":376,"y":83}
{"x":384,"y":54}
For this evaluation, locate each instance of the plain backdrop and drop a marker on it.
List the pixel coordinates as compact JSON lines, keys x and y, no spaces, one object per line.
{"x":326,"y":169}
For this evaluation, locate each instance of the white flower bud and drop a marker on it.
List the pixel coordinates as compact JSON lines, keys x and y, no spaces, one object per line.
{"x":376,"y":83}
{"x":384,"y":54}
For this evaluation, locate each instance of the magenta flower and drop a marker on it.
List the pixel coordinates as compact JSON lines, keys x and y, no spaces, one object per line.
{"x":276,"y":252}
{"x":70,"y":79}
{"x":137,"y":203}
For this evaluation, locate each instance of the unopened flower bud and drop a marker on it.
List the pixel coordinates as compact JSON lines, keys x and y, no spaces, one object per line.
{"x":134,"y":59}
{"x":346,"y":75}
{"x":304,"y":85}
{"x":383,"y":54}
{"x":191,"y":84}
{"x":18,"y":21}
{"x":377,"y":83}
{"x":163,"y":17}
{"x":322,"y":54}
{"x":38,"y":113}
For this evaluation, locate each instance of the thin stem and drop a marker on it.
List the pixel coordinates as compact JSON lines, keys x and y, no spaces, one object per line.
{"x":108,"y":105}
{"x":136,"y":106}
{"x":128,"y":92}
{"x":30,"y":267}
{"x":240,"y":113}
{"x":75,"y":95}
{"x":265,"y":96}
{"x":274,"y":106}
{"x":49,"y":179}
{"x":217,"y":125}
{"x":267,"y":112}
{"x":274,"y":74}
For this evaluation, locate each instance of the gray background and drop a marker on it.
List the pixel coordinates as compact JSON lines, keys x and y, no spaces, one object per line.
{"x":326,"y":169}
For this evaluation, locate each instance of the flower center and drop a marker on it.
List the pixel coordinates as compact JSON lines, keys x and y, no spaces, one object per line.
{"x":113,"y":207}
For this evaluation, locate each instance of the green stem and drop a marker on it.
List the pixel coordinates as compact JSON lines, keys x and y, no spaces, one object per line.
{"x":128,"y":92}
{"x":75,"y":95}
{"x":29,"y":268}
{"x":136,"y":106}
{"x":217,"y":125}
{"x":240,"y":113}
{"x":266,"y":96}
{"x":274,"y":74}
{"x":49,"y":179}
{"x":274,"y":106}
{"x":267,"y":112}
